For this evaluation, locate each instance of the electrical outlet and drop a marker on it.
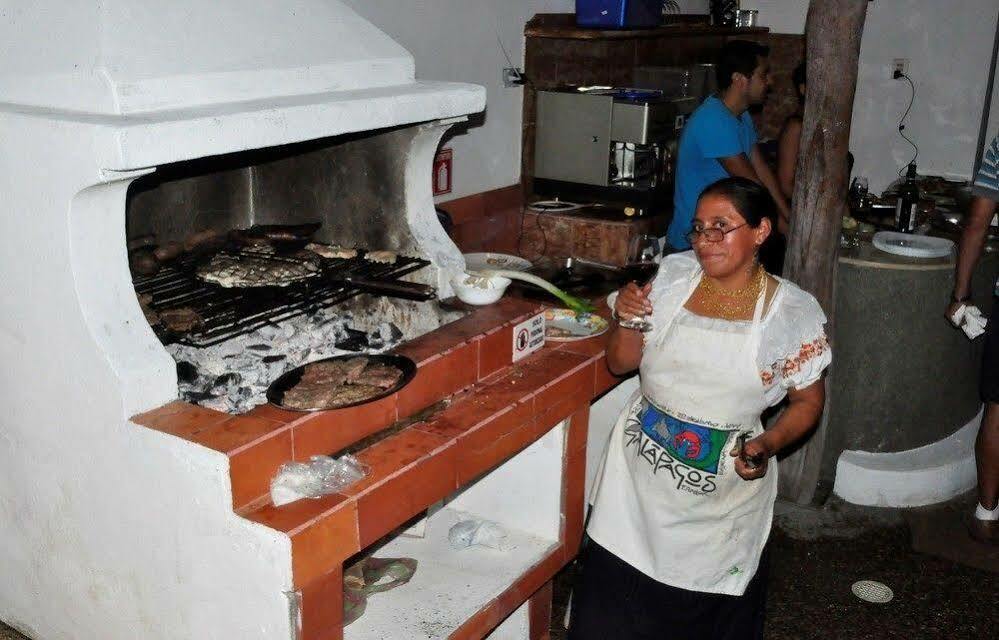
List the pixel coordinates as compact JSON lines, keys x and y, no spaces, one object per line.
{"x":899,"y":66}
{"x":512,"y":77}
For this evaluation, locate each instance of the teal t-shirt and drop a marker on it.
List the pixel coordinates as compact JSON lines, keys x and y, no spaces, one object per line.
{"x":712,"y":132}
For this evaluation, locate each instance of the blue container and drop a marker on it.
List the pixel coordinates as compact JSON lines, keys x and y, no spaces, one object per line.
{"x":619,"y":14}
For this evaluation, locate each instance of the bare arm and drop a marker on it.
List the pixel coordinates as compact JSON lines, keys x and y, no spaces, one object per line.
{"x":787,"y":156}
{"x":624,"y":347}
{"x":769,"y":180}
{"x":800,"y":416}
{"x":758,"y":171}
{"x":976,"y":229}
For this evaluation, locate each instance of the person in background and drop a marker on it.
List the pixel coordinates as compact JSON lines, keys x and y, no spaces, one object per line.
{"x":719,"y":140}
{"x":683,"y":506}
{"x":790,"y":137}
{"x":984,"y":525}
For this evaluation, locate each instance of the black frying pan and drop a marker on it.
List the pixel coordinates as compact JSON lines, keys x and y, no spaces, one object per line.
{"x":287,"y":380}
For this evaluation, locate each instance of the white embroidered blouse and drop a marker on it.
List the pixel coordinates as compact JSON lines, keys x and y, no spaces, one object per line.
{"x":793,"y":350}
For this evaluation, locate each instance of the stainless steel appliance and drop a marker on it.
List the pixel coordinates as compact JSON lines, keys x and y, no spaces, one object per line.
{"x":608,"y":144}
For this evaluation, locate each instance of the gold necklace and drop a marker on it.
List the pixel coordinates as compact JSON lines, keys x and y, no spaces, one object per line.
{"x":732,"y":304}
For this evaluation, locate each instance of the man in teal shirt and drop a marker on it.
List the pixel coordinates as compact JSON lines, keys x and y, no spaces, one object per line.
{"x":719,"y":140}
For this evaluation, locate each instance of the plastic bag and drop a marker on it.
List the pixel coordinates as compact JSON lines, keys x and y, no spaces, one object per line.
{"x":469,"y":533}
{"x":321,"y":476}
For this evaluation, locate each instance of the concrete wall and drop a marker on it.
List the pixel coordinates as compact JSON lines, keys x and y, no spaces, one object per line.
{"x":781,"y":16}
{"x":457,"y":40}
{"x":949,"y":45}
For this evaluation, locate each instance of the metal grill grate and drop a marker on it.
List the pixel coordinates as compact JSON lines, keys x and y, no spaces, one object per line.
{"x":227,"y":313}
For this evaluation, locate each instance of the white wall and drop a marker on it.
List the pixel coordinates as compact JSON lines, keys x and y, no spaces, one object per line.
{"x":781,"y":16}
{"x":950,"y":46}
{"x":456,"y":40}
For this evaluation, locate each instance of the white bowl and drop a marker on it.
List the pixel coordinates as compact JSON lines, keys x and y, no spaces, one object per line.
{"x":483,"y":291}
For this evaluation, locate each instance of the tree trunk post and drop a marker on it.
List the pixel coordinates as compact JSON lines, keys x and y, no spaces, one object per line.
{"x":833,"y":31}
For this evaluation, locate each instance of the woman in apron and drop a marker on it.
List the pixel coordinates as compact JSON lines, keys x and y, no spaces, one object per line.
{"x":684,"y":504}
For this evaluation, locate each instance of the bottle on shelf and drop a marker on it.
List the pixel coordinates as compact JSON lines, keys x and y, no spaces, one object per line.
{"x":908,"y":200}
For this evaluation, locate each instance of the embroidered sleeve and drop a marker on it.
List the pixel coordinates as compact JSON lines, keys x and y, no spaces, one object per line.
{"x":795,"y":350}
{"x":805,"y":367}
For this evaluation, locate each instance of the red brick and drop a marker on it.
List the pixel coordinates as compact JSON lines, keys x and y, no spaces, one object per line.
{"x":439,"y":378}
{"x":322,"y":607}
{"x":237,"y":433}
{"x":252,"y":468}
{"x":182,"y":419}
{"x":408,"y":473}
{"x":496,"y":441}
{"x":495,"y":351}
{"x":540,"y":613}
{"x":324,"y":545}
{"x":327,"y":432}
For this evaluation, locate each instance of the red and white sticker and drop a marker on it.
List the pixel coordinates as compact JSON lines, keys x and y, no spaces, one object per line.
{"x":528,"y":336}
{"x":443,"y":172}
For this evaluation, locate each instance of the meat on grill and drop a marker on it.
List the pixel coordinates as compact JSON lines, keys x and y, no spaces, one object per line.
{"x":383,"y":376}
{"x":354,"y":367}
{"x":336,"y":383}
{"x":181,"y":320}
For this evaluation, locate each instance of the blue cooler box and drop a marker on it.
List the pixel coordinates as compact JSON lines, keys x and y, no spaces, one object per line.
{"x":619,"y":14}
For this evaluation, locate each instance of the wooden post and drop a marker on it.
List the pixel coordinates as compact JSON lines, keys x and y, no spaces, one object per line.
{"x":833,"y":33}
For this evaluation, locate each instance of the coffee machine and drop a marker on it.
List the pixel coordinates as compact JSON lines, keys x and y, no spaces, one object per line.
{"x":616,"y":146}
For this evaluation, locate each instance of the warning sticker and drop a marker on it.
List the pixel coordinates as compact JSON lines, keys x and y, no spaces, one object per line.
{"x":528,"y":336}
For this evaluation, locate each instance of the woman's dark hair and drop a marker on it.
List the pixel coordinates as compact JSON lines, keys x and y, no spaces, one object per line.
{"x":752,"y":201}
{"x":799,"y":78}
{"x":739,"y":56}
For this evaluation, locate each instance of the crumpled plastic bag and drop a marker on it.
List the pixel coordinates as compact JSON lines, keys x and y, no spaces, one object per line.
{"x":320,"y":476}
{"x":969,"y":318}
{"x":469,"y":533}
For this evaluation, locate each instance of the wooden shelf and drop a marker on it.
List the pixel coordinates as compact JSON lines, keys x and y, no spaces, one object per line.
{"x":563,"y":25}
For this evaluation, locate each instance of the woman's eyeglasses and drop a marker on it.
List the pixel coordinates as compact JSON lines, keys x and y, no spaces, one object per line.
{"x":711,"y":234}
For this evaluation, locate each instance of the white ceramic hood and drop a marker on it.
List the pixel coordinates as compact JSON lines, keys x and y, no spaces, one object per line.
{"x":309,"y":68}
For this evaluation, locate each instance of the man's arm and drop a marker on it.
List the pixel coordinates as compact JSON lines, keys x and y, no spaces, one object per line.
{"x":769,"y":180}
{"x":787,"y":156}
{"x":976,"y":229}
{"x":740,"y":165}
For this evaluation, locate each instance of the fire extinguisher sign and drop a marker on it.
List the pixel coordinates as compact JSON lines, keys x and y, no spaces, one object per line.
{"x":528,"y":336}
{"x":442,"y":172}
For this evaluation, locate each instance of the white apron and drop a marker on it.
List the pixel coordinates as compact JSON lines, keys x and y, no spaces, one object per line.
{"x":669,"y":502}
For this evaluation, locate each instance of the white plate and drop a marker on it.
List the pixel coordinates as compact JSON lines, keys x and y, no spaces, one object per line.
{"x":904,"y":244}
{"x":580,"y":326}
{"x":487,"y":261}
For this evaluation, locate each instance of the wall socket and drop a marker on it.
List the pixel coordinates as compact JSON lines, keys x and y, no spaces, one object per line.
{"x":900,"y":65}
{"x":513,"y":77}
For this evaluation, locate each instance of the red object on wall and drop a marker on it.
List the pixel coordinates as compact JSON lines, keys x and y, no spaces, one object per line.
{"x":442,"y":172}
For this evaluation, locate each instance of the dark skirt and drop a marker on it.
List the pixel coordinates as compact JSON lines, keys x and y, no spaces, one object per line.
{"x":612,"y":600}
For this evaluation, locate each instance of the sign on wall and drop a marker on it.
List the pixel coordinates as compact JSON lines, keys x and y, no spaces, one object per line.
{"x":443,"y":167}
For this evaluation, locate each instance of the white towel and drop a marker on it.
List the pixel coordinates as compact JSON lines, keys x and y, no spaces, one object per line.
{"x":970,"y":320}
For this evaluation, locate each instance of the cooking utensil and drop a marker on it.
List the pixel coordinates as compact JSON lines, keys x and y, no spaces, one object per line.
{"x":752,"y":462}
{"x":395,"y":288}
{"x":287,"y":380}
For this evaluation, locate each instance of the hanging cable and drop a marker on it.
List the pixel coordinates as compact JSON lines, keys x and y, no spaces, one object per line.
{"x":901,"y":121}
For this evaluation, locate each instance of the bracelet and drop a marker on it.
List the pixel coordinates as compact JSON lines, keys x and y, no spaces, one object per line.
{"x":966,"y":298}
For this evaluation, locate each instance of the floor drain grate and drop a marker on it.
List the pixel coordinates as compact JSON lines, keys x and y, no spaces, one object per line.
{"x":872,"y":591}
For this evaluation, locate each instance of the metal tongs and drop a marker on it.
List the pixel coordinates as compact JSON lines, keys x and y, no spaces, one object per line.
{"x":753,"y":462}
